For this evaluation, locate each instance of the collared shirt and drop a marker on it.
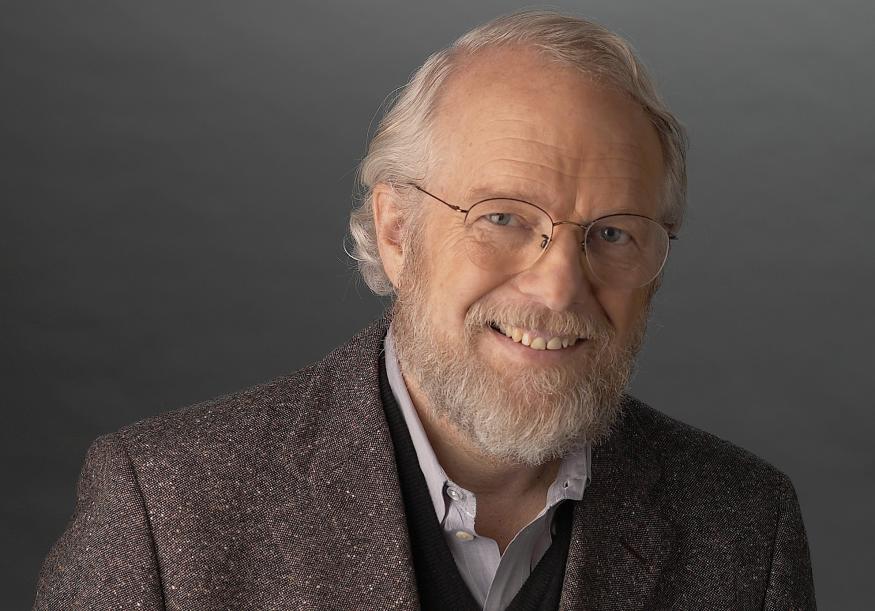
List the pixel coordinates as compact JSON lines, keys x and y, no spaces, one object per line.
{"x":493,"y":578}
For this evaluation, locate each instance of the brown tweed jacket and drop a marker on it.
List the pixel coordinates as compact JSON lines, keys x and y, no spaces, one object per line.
{"x":286,"y":496}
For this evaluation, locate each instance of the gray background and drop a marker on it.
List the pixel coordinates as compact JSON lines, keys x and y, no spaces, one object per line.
{"x":175,"y":179}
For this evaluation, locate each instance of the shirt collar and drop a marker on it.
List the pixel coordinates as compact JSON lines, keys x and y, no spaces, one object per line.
{"x":435,"y":476}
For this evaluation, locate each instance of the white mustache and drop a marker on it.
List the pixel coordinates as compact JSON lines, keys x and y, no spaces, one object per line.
{"x":558,"y":323}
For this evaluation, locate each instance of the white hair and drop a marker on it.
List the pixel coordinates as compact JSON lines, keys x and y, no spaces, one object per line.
{"x":398,"y":153}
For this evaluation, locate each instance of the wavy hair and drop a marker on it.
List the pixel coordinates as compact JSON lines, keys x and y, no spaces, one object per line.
{"x":398,"y":153}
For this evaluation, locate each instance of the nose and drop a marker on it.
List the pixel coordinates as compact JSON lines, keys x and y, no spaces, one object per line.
{"x":560,"y":278}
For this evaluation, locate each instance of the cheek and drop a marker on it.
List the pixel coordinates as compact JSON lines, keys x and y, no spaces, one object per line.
{"x":456,"y":282}
{"x":449,"y":263}
{"x":622,"y":307}
{"x":449,"y":244}
{"x":458,"y":286}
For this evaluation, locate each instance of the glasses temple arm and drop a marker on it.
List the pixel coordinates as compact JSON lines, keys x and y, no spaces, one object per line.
{"x":449,"y":205}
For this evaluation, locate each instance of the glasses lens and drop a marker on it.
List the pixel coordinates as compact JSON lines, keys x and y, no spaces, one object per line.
{"x":626,"y":251}
{"x":505,"y":234}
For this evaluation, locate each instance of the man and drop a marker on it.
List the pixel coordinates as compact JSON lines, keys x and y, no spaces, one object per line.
{"x":474,"y":448}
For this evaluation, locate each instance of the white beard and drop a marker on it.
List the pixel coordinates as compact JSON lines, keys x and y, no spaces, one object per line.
{"x":513,"y":414}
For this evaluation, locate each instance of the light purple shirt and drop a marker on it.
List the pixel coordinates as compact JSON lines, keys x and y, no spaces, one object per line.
{"x":494,"y":579}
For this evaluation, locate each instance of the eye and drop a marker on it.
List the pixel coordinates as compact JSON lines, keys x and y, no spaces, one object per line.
{"x":614,"y":235}
{"x":502,"y":219}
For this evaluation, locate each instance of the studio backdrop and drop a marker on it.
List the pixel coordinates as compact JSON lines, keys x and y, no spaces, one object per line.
{"x":176,"y":180}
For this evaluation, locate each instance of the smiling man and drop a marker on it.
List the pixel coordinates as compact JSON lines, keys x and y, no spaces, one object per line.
{"x":473,"y":449}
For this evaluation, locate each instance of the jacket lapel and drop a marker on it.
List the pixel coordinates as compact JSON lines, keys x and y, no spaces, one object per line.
{"x":344,"y":525}
{"x":621,"y":540}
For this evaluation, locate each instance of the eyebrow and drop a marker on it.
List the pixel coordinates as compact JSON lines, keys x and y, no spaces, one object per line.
{"x":486,"y":191}
{"x":480,"y":193}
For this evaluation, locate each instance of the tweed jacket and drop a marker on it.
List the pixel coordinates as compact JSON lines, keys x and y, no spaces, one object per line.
{"x":286,"y":496}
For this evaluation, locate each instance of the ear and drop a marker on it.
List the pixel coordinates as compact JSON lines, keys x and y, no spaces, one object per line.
{"x":389,"y":223}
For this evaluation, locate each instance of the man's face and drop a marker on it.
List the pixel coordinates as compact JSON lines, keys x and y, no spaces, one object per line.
{"x":512,"y":125}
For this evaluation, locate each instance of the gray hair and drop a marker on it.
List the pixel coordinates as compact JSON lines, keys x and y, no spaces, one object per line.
{"x":398,"y":153}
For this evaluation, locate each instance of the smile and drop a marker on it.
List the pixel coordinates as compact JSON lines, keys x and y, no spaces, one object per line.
{"x":534,"y":339}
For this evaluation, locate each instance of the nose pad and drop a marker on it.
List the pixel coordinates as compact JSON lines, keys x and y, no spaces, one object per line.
{"x":578,"y":235}
{"x":560,"y":276}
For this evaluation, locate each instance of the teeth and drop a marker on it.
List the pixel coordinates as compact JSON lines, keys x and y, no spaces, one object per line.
{"x":533,"y":341}
{"x":539,"y":344}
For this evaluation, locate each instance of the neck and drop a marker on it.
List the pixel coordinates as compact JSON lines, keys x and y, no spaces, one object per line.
{"x":470,"y":468}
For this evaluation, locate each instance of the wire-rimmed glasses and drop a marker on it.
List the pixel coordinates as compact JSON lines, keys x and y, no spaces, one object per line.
{"x":623,"y":251}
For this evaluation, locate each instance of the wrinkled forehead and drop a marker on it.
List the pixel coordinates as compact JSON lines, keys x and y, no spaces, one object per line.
{"x":512,"y":117}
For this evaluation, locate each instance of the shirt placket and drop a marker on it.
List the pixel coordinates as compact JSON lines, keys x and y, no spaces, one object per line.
{"x":477,"y":556}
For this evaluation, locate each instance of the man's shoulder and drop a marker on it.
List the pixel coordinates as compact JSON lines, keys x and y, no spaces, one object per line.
{"x":291,"y":406}
{"x":699,"y":467}
{"x":734,"y":517}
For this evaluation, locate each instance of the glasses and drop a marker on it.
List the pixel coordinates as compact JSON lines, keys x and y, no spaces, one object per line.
{"x":623,"y":251}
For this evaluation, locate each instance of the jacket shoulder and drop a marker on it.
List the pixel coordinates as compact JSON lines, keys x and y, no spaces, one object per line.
{"x":286,"y":407}
{"x":687,"y":453}
{"x":713,"y":490}
{"x":230,"y":414}
{"x":726,"y":502}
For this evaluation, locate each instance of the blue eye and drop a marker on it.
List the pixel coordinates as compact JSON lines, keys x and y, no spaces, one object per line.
{"x":499,"y":218}
{"x":613,"y":235}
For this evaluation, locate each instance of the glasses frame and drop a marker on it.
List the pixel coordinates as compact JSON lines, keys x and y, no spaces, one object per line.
{"x":549,"y":239}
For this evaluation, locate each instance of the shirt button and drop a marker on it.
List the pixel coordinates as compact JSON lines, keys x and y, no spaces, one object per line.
{"x":455,"y":494}
{"x":464,"y":535}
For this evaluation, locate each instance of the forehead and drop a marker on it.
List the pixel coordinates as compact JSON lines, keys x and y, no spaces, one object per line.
{"x":511,"y":121}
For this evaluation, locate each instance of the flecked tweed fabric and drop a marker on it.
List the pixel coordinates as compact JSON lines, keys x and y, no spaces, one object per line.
{"x":286,"y":496}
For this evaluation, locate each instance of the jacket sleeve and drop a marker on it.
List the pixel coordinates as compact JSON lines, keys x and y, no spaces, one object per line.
{"x":791,"y":585}
{"x":105,"y":559}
